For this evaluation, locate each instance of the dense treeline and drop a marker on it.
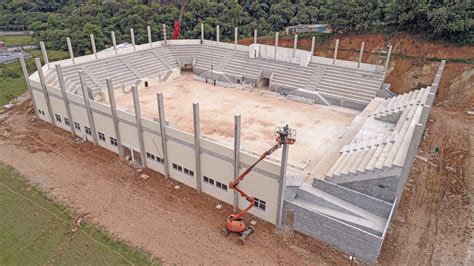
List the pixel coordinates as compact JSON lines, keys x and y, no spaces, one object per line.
{"x":53,"y":20}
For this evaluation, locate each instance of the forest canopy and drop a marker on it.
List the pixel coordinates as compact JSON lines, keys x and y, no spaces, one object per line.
{"x":53,"y":20}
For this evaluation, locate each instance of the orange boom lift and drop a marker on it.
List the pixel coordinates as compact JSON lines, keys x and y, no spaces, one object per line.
{"x":235,"y":222}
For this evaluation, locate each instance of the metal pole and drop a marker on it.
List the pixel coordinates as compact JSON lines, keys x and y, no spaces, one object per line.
{"x":276,"y":46}
{"x":148,"y":31}
{"x":197,"y":146}
{"x":113,"y":109}
{"x":45,"y":90}
{"x":114,"y":42}
{"x":93,"y":45}
{"x":62,"y":85}
{"x":132,"y":37}
{"x":281,"y":193}
{"x":161,"y":114}
{"x":295,"y":44}
{"x":90,"y":116}
{"x":27,"y":80}
{"x":237,"y":124}
{"x":138,"y":119}
{"x":45,"y":54}
{"x":69,"y":47}
{"x":313,"y":42}
{"x":335,"y":51}
{"x":361,"y":54}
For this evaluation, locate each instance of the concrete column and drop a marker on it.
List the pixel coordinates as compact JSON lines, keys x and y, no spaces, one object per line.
{"x":276,"y":46}
{"x":114,"y":42}
{"x":45,"y":54}
{"x":45,"y":90}
{"x":361,"y":54}
{"x":388,"y":58}
{"x":90,"y":117}
{"x":313,"y":42}
{"x":93,"y":45}
{"x":335,"y":51}
{"x":217,"y":35}
{"x":113,"y":109}
{"x":132,"y":37}
{"x":237,"y":120}
{"x":202,"y":33}
{"x":164,"y":32}
{"x":282,"y":188}
{"x":197,"y":146}
{"x":138,"y":119}
{"x":148,"y":31}
{"x":236,"y":36}
{"x":69,"y":47}
{"x":255,"y":37}
{"x":62,"y":86}
{"x":27,"y":80}
{"x":295,"y":45}
{"x":161,"y":113}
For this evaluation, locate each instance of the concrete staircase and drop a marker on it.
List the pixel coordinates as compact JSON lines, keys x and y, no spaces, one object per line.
{"x":392,"y":109}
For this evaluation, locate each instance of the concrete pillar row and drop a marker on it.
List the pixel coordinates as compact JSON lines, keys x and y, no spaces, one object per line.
{"x":114,"y":42}
{"x":197,"y":146}
{"x":164,"y":32}
{"x":276,"y":45}
{"x":113,"y":109}
{"x":90,"y":116}
{"x":237,"y":127}
{"x":69,"y":47}
{"x":202,"y":33}
{"x":164,"y":145}
{"x":295,"y":45}
{"x":335,"y":51}
{"x":93,"y":45}
{"x":361,"y":53}
{"x":313,"y":42}
{"x":45,"y":90}
{"x":62,"y":86}
{"x":255,"y":37}
{"x":138,"y":121}
{"x":45,"y":54}
{"x":132,"y":38}
{"x":148,"y":31}
{"x":28,"y":85}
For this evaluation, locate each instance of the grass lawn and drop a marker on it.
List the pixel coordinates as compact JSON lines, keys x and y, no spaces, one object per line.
{"x":36,"y":230}
{"x":16,"y":40}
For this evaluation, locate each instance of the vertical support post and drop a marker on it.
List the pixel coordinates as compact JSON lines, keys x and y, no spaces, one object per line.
{"x":202,"y":33}
{"x":114,"y":42}
{"x":236,"y":36}
{"x":113,"y":109}
{"x":90,"y":117}
{"x":161,"y":114}
{"x":335,"y":51}
{"x":387,"y":60}
{"x":164,"y":32}
{"x":197,"y":146}
{"x":361,"y":54}
{"x":138,"y":119}
{"x":217,"y":35}
{"x":132,"y":37}
{"x":45,"y":90}
{"x":93,"y":45}
{"x":28,"y":85}
{"x":237,"y":120}
{"x":255,"y":37}
{"x":148,"y":31}
{"x":69,"y":47}
{"x":45,"y":54}
{"x":295,"y":44}
{"x":282,"y":188}
{"x":313,"y":42}
{"x":62,"y":86}
{"x":276,"y":46}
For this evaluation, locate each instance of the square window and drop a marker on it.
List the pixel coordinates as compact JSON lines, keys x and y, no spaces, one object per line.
{"x":191,"y":173}
{"x":67,"y":122}
{"x":58,"y":118}
{"x":208,"y":180}
{"x":77,"y":126}
{"x":89,"y":132}
{"x":180,"y":168}
{"x":221,"y":185}
{"x":113,"y":141}
{"x":260,"y":204}
{"x":186,"y":171}
{"x":101,"y":136}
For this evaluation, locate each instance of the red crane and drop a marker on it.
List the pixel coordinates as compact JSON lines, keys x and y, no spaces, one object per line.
{"x":177,"y":23}
{"x":235,"y":222}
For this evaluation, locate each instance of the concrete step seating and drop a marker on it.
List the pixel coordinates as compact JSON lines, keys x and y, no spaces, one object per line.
{"x":391,"y":109}
{"x":384,"y":151}
{"x":210,"y":57}
{"x":185,"y":51}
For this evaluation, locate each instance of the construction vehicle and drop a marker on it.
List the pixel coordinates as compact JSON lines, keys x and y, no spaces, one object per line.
{"x":235,"y":222}
{"x":178,"y":22}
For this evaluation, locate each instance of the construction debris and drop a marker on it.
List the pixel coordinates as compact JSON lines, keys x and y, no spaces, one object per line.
{"x":218,"y":206}
{"x":253,"y":222}
{"x":177,"y":187}
{"x":144,"y":176}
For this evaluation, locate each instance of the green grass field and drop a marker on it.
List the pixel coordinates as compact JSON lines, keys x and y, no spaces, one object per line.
{"x":16,"y":40}
{"x":36,"y":230}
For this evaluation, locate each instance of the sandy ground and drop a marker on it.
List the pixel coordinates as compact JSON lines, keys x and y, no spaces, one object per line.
{"x":317,"y":126}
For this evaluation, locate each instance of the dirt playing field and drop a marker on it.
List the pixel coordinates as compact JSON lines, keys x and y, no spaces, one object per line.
{"x":317,"y":126}
{"x":432,"y":225}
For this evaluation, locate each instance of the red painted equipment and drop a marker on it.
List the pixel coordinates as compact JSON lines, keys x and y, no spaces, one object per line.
{"x":235,"y":222}
{"x":176,"y":29}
